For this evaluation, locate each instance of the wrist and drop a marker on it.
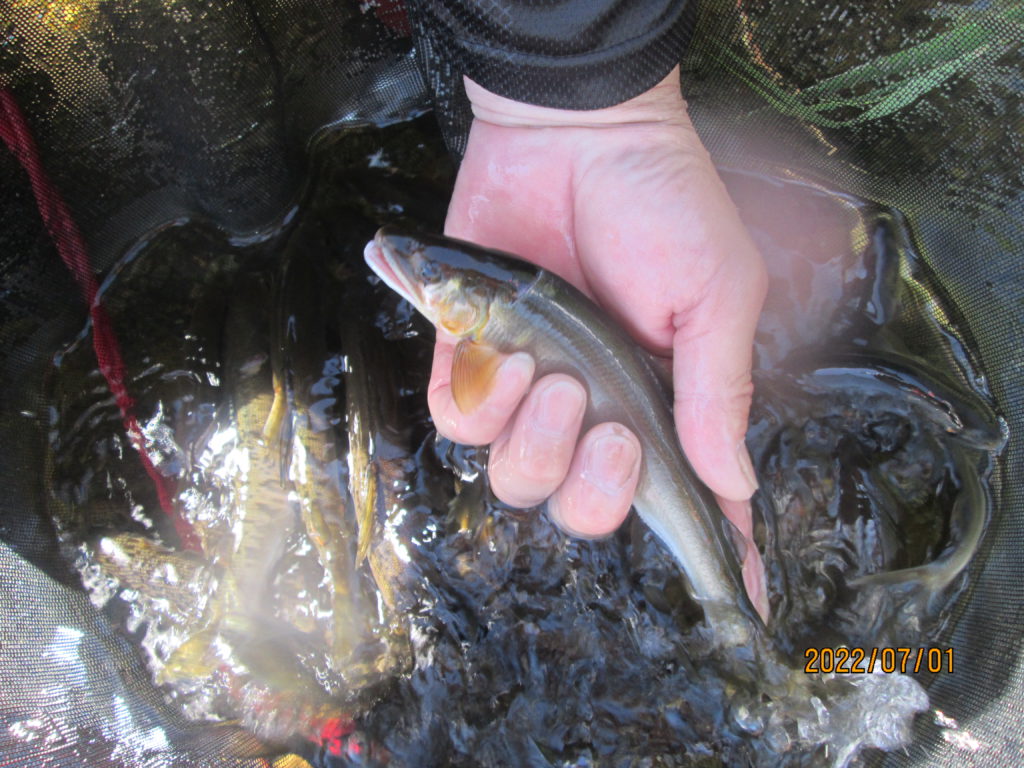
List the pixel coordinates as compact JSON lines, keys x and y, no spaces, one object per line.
{"x":662,"y":104}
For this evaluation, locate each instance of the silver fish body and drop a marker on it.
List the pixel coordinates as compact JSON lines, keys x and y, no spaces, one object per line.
{"x":565,"y":332}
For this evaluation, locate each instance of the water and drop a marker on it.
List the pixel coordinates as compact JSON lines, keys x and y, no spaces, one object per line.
{"x":478,"y":634}
{"x":872,"y":430}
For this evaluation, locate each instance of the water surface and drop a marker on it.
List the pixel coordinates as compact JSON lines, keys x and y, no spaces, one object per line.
{"x":482,"y":634}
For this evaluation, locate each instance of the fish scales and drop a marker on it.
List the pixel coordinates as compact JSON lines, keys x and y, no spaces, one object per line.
{"x":493,"y":300}
{"x":559,"y":328}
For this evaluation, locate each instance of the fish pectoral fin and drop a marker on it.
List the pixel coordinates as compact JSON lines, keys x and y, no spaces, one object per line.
{"x":474,"y":369}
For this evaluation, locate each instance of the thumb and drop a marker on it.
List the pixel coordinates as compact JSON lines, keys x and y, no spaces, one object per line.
{"x":712,"y":348}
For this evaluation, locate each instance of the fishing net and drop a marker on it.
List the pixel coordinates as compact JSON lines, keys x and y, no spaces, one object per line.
{"x":143,"y":117}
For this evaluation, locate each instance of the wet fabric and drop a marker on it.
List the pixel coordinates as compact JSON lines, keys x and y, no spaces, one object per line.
{"x":151,"y":113}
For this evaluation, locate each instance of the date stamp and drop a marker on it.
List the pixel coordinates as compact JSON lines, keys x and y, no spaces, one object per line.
{"x":849,"y":661}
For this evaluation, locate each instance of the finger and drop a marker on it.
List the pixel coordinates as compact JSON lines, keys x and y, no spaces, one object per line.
{"x":599,"y":487}
{"x":486,"y":422}
{"x":530,"y":460}
{"x":712,"y":350}
{"x":740,"y":514}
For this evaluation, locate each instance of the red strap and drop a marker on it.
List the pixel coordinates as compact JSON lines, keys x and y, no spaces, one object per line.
{"x":71,"y":247}
{"x":333,"y":733}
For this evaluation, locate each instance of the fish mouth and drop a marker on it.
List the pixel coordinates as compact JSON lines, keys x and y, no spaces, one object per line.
{"x":389,"y":266}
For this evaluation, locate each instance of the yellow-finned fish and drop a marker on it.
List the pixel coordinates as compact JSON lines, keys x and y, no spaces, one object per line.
{"x":497,"y":304}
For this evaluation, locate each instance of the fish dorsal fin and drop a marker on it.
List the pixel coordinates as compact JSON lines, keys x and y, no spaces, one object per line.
{"x":473,"y":373}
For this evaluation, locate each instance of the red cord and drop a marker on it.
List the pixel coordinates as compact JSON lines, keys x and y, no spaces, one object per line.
{"x":71,"y":247}
{"x":393,"y":15}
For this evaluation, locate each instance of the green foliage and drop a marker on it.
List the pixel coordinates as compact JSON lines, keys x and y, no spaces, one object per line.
{"x":889,"y":83}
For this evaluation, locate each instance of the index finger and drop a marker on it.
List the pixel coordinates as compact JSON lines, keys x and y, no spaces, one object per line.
{"x":484,"y":423}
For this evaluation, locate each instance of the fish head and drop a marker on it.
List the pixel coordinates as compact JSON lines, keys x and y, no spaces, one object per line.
{"x":454,"y":284}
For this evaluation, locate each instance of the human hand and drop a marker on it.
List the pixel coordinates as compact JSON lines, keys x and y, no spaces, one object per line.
{"x":625,"y":204}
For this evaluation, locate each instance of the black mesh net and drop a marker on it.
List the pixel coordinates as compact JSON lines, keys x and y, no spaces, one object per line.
{"x":912,"y":105}
{"x":214,"y":121}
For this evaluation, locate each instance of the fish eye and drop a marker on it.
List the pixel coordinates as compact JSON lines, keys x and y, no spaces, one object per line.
{"x":429,"y":271}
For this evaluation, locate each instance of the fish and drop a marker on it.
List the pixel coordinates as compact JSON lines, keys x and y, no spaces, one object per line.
{"x":263,"y":515}
{"x":381,"y":471}
{"x":305,"y":383}
{"x":969,"y":518}
{"x":932,"y":396}
{"x":960,"y":427}
{"x":218,"y":634}
{"x":497,"y":304}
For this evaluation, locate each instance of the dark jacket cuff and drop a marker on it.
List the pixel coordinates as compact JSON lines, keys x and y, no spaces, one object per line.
{"x":580,"y":54}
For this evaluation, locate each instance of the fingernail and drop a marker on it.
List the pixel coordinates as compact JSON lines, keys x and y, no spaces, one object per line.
{"x":558,"y":408}
{"x":746,"y":467}
{"x":610,"y":463}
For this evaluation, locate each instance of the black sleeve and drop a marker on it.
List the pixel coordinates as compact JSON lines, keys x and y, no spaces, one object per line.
{"x":573,"y":54}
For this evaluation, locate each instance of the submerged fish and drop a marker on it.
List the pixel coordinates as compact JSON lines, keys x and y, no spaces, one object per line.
{"x":381,"y":469}
{"x":220,"y":627}
{"x":498,"y":304}
{"x":306,"y":377}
